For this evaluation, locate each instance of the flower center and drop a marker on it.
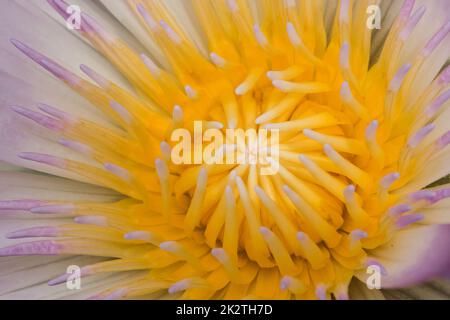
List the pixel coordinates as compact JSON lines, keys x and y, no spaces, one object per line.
{"x":272,"y":159}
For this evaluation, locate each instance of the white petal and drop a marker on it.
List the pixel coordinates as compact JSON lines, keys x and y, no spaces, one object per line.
{"x":414,"y":255}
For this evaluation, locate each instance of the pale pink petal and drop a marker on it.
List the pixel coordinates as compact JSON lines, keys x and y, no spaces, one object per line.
{"x":414,"y":255}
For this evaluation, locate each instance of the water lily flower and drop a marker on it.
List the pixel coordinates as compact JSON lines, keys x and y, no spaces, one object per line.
{"x":92,"y":92}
